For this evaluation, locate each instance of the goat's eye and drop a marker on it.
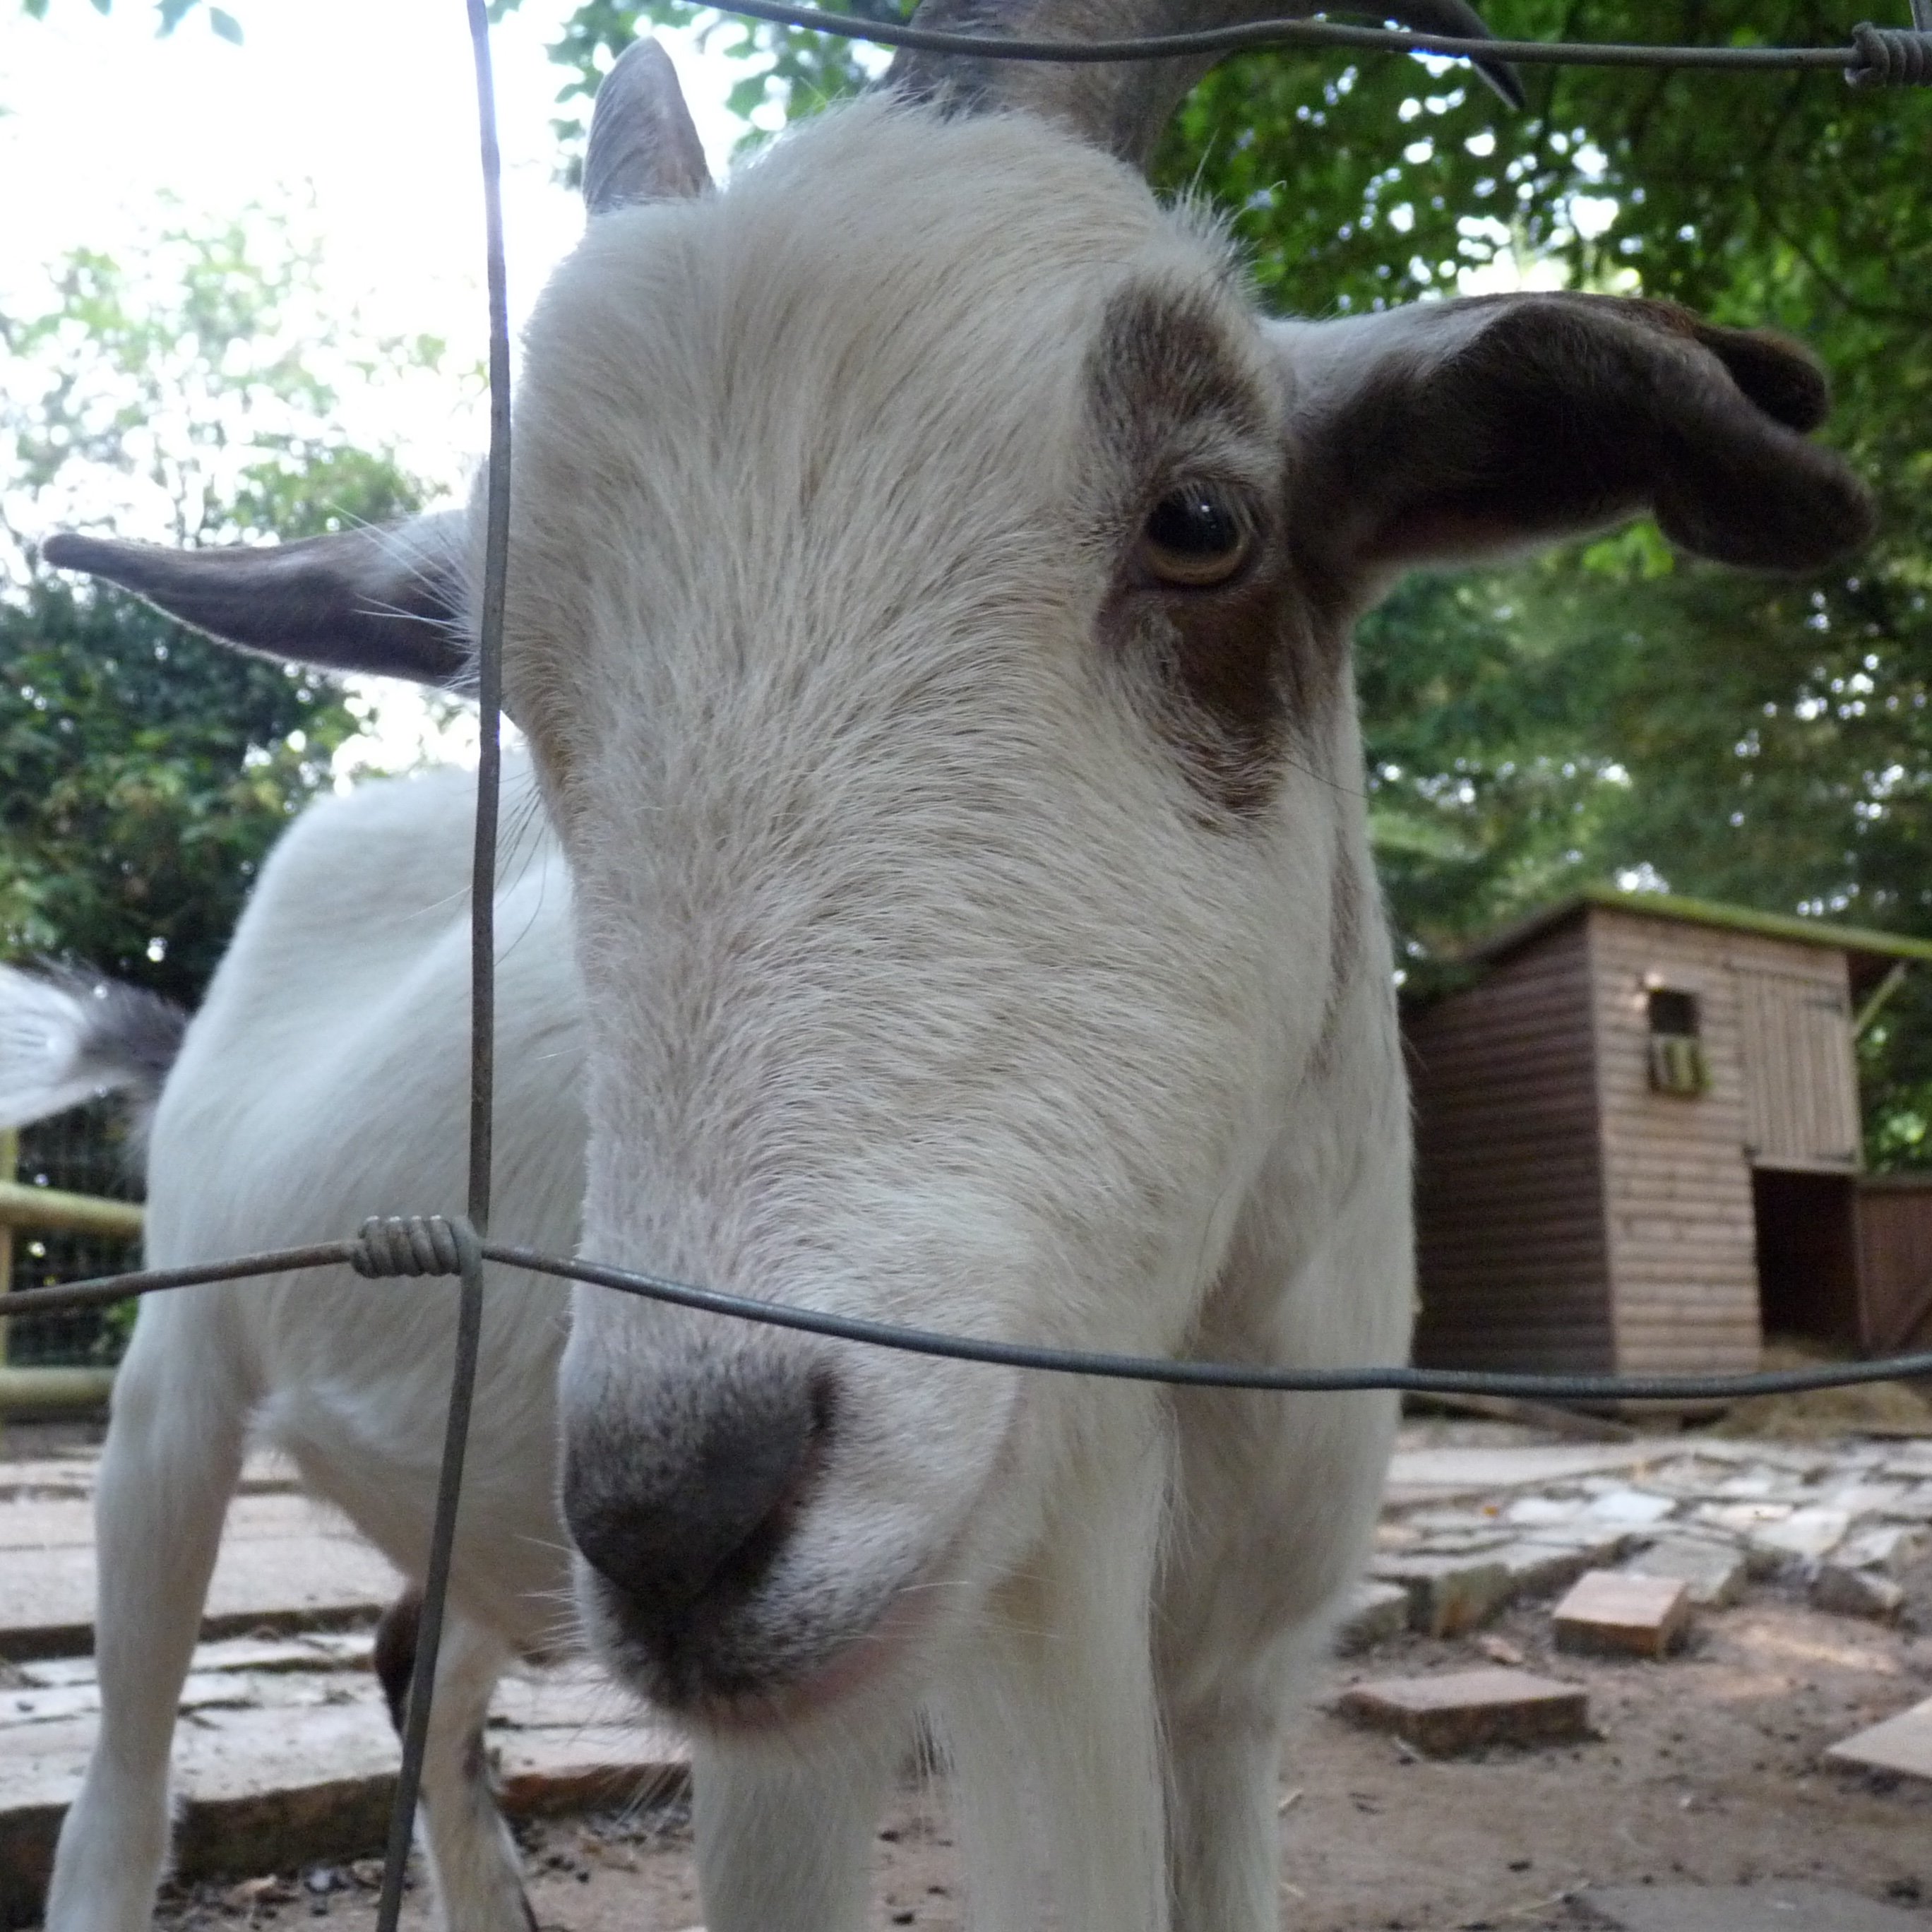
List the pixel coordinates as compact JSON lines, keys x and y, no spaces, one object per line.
{"x":1195,"y":535}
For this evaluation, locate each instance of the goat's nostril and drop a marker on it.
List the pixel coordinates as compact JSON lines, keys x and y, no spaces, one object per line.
{"x":706,"y":1507}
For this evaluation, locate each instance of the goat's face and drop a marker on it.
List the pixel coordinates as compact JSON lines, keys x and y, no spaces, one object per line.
{"x":957,"y":779}
{"x":929,"y":586}
{"x":929,"y":607}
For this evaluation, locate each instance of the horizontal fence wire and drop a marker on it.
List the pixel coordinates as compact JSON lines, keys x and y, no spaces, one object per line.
{"x":426,"y":1246}
{"x":1876,"y":56}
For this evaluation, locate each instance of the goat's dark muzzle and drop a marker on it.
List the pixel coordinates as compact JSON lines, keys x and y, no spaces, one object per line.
{"x":683,"y":1520}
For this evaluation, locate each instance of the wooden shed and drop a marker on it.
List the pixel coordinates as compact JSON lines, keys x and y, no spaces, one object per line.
{"x":1638,"y":1144}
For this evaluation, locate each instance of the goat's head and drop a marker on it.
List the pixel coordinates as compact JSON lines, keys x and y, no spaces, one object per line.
{"x":929,"y":590}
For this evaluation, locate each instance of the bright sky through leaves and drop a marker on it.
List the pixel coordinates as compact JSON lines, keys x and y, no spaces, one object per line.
{"x":356,"y":120}
{"x":358,"y":116}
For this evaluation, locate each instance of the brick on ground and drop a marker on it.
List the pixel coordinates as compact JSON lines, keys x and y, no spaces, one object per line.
{"x":1618,"y":1613}
{"x":288,"y":1758}
{"x":1467,"y":1710}
{"x":1447,"y":1594}
{"x":1901,"y":1744}
{"x":1742,"y":1908}
{"x":1713,"y":1573}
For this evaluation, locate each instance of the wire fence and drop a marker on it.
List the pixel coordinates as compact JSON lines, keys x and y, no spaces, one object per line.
{"x":83,"y":1152}
{"x":1875,"y":57}
{"x":460,"y":1246}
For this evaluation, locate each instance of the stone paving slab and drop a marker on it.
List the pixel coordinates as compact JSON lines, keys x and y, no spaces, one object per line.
{"x":1442,"y":1474}
{"x":1848,"y":1592}
{"x":72,"y":1474}
{"x":1376,"y":1612}
{"x":1447,"y":1594}
{"x":1844,"y":1520}
{"x":285,"y":1756}
{"x":1714,"y":1575}
{"x":1810,"y":1534}
{"x":1902,"y":1744}
{"x":1773,"y":1905}
{"x":286,"y":1564}
{"x":1546,"y":1561}
{"x":1891,"y":1547}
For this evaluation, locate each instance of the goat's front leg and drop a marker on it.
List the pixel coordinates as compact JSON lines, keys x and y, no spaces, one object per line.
{"x":787,"y":1847}
{"x":1274,"y":1510}
{"x":1224,"y":1739}
{"x":1224,"y":1845}
{"x":1049,"y":1711}
{"x":478,"y":1887}
{"x":173,"y":1454}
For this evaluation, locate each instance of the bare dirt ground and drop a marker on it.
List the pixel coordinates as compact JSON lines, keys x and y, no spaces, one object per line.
{"x":1706,"y":1770}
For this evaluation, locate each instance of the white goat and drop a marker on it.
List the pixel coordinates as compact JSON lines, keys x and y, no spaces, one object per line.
{"x":930,"y":586}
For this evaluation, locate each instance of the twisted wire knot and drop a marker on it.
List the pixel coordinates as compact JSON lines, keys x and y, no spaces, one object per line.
{"x":415,"y":1244}
{"x":1891,"y":57}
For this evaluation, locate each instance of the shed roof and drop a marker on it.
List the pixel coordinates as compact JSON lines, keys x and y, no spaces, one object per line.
{"x":1853,"y":939}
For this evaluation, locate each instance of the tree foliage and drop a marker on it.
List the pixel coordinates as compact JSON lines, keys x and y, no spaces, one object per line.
{"x":144,"y":772}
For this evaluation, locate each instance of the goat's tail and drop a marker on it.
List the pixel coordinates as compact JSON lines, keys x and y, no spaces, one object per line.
{"x":67,"y":1035}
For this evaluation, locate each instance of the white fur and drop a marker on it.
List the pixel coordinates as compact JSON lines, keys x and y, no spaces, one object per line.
{"x":883,"y":958}
{"x":42,"y":1048}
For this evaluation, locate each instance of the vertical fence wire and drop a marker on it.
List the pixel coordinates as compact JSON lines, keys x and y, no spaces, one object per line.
{"x":476,"y":1223}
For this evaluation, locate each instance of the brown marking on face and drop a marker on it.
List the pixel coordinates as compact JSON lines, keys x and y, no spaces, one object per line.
{"x":1161,"y":360}
{"x":1222,"y":672}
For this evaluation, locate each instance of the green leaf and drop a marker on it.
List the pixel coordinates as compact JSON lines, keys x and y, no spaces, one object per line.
{"x":225,"y":25}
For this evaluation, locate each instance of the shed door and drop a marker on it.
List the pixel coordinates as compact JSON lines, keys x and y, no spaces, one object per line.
{"x":1800,"y":1085}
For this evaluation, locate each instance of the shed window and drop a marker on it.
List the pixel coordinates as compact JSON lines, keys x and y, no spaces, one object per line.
{"x":1674,"y":1014}
{"x":1677,"y":1063}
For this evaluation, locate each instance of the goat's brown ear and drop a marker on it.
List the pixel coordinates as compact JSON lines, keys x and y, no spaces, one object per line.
{"x":388,"y":601}
{"x":1459,"y":430}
